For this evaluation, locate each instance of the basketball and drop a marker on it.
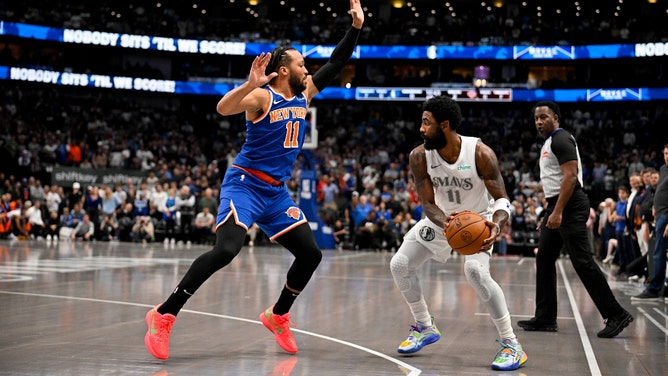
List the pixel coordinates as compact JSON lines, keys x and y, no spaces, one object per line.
{"x":466,"y":232}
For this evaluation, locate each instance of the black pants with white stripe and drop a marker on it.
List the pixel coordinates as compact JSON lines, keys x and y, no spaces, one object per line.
{"x":572,"y":234}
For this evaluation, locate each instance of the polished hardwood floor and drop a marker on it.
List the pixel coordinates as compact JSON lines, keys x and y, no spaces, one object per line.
{"x":78,"y":309}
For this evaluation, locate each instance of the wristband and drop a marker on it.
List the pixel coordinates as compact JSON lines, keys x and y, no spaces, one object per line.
{"x":501,"y":204}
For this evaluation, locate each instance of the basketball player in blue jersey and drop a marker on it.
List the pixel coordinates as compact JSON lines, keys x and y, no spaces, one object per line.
{"x":275,"y":99}
{"x":453,"y":173}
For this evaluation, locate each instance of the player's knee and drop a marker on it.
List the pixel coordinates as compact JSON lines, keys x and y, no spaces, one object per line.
{"x":472,"y":270}
{"x":477,"y":275}
{"x":314,"y":256}
{"x":224,"y":253}
{"x":400,"y":272}
{"x":475,"y":270}
{"x":399,"y":265}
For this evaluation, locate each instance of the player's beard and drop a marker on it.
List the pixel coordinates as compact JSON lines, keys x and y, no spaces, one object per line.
{"x":297,"y":83}
{"x":437,"y":142}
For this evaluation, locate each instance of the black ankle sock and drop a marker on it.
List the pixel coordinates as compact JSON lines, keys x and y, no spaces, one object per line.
{"x":285,"y":301}
{"x":175,"y":302}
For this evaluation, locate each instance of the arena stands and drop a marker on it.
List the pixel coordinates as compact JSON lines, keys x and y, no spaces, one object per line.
{"x":49,"y":130}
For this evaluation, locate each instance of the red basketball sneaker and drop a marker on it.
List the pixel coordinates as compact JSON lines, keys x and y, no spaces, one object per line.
{"x":280,"y":326}
{"x":157,"y":336}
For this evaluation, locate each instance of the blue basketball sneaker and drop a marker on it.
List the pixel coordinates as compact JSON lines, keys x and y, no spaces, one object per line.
{"x":419,"y":337}
{"x":510,"y":356}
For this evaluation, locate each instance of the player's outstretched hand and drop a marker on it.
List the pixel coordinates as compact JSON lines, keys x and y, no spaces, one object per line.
{"x":257,"y":77}
{"x":357,"y":13}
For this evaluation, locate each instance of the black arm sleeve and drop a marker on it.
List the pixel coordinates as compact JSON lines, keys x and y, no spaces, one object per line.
{"x":337,"y":60}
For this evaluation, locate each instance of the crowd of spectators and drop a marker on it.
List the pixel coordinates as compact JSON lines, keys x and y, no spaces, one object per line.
{"x":148,"y":212}
{"x":467,"y":24}
{"x":365,"y":192}
{"x":308,"y":22}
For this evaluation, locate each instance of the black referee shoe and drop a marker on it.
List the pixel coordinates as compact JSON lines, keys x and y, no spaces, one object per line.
{"x":535,"y":325}
{"x":615,"y":325}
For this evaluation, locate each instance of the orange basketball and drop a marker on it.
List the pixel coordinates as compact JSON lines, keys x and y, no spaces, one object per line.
{"x":466,"y":232}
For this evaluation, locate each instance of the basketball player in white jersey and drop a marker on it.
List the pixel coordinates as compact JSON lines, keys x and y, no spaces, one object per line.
{"x":453,"y":173}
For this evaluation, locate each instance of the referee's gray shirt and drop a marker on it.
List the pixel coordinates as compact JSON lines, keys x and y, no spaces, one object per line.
{"x":559,"y":148}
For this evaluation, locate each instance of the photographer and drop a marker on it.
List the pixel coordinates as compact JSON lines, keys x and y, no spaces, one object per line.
{"x":143,"y":230}
{"x":125,"y":218}
{"x":108,"y":228}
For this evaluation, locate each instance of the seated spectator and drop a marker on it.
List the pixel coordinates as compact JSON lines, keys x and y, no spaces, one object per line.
{"x":85,"y":230}
{"x":5,"y":219}
{"x":77,"y":213}
{"x":143,"y":230}
{"x":53,"y":225}
{"x":66,"y":223}
{"x":66,"y":219}
{"x":204,"y":222}
{"x":34,"y":216}
{"x":395,"y":234}
{"x":341,"y":235}
{"x":12,"y":205}
{"x":20,"y":225}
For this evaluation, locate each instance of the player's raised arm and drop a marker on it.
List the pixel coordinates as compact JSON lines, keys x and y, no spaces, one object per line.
{"x":340,"y":55}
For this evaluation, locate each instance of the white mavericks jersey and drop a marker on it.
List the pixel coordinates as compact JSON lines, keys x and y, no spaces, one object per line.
{"x":458,"y":186}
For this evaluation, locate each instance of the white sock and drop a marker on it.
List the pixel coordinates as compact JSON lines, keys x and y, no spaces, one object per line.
{"x":504,"y":327}
{"x":421,"y":312}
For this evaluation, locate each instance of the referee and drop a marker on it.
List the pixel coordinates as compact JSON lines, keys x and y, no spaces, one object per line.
{"x":564,"y":224}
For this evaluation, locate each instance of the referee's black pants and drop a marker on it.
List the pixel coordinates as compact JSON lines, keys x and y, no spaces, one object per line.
{"x":572,"y":234}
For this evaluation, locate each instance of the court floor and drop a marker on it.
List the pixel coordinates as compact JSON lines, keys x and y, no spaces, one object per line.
{"x":78,"y":309}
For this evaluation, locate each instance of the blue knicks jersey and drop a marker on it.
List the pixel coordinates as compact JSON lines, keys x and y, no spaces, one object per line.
{"x":274,"y":140}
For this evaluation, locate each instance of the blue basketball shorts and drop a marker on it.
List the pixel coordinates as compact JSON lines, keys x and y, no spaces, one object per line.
{"x":247,"y":199}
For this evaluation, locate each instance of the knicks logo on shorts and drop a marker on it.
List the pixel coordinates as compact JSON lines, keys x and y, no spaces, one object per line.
{"x":293,"y":212}
{"x":427,"y":233}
